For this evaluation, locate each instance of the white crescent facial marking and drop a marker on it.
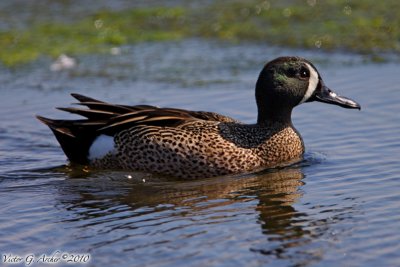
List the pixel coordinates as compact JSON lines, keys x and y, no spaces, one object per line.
{"x":312,"y":83}
{"x":101,"y":146}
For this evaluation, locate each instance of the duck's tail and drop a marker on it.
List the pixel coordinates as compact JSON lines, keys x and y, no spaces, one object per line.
{"x":74,"y":141}
{"x":76,"y":136}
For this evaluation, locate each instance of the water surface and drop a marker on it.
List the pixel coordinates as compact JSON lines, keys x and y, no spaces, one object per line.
{"x":340,"y":206}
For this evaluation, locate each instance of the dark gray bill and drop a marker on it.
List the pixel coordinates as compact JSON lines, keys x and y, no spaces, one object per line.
{"x":326,"y":95}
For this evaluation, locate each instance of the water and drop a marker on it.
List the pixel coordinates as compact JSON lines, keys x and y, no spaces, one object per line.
{"x":340,"y":206}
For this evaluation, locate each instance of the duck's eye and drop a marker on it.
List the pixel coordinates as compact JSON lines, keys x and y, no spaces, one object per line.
{"x":304,"y":73}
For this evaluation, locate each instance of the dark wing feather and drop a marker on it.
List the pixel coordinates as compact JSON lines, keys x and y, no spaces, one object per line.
{"x":82,"y":98}
{"x":124,"y":110}
{"x":161,"y":117}
{"x":114,"y":108}
{"x":91,"y":114}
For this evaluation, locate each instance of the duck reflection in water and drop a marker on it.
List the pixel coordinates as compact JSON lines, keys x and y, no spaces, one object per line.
{"x":270,"y":193}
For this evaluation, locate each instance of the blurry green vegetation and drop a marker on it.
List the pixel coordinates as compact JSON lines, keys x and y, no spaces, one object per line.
{"x":364,"y":26}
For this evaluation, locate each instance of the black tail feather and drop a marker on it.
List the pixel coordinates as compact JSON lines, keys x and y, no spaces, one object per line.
{"x":73,"y":140}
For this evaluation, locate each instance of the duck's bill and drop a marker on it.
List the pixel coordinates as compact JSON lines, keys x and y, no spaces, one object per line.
{"x":326,"y":95}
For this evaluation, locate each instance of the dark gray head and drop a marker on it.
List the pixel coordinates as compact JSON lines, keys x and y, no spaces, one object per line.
{"x":286,"y":82}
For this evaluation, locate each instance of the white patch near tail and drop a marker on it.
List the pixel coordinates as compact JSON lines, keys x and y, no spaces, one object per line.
{"x":101,"y":146}
{"x":312,"y":83}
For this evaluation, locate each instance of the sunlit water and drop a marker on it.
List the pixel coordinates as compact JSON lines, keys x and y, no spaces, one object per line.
{"x":339,"y":207}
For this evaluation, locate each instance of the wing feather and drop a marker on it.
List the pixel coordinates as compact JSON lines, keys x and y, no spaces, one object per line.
{"x":103,"y":117}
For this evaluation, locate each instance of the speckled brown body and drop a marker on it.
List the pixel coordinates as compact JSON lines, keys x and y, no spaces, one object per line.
{"x":203,"y":148}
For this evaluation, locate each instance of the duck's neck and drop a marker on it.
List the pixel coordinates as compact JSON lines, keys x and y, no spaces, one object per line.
{"x":273,"y":114}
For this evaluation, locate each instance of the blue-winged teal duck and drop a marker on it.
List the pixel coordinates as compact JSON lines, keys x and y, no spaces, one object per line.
{"x":190,"y":144}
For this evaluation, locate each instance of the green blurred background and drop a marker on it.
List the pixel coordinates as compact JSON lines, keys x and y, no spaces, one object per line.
{"x":31,"y":29}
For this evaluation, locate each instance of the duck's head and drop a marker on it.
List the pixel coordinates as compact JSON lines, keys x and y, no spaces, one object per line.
{"x":286,"y":82}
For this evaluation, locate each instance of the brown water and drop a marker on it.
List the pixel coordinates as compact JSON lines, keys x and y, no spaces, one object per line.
{"x":339,"y":207}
